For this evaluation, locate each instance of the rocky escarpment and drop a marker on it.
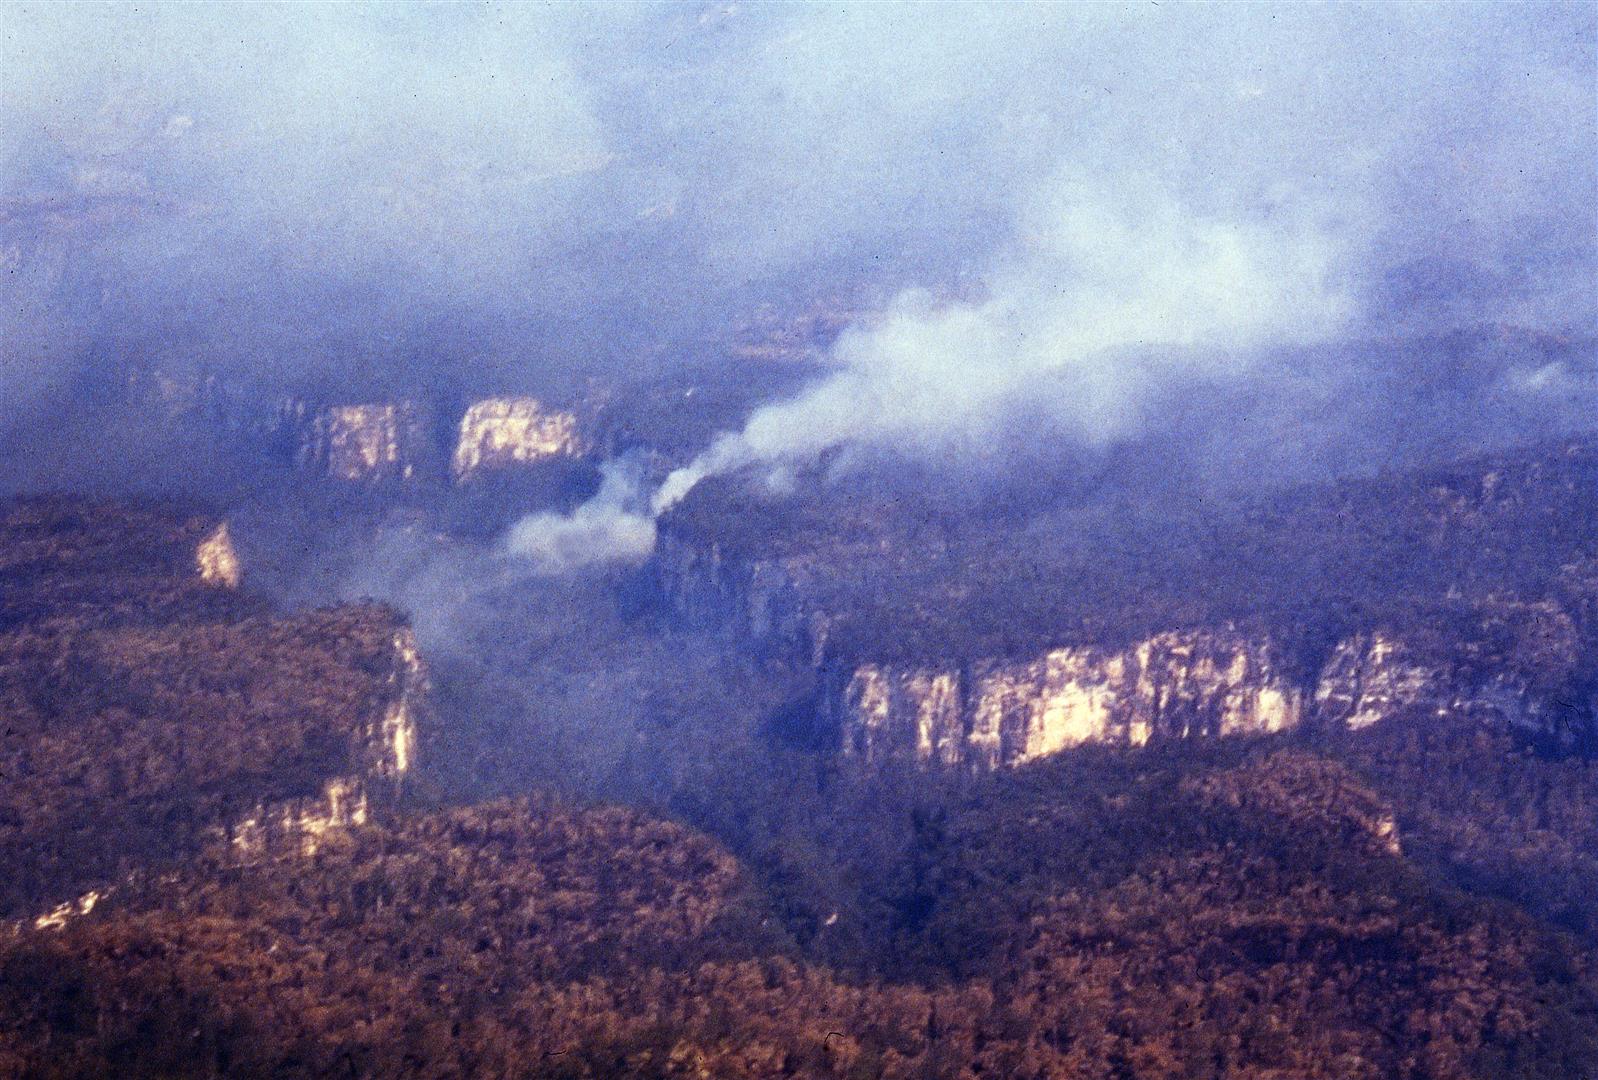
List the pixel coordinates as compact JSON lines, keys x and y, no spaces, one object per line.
{"x":347,"y":442}
{"x":381,"y":753}
{"x":497,"y":433}
{"x":218,"y":559}
{"x":365,"y":442}
{"x":767,"y":605}
{"x":989,"y":713}
{"x":75,"y":563}
{"x":1518,"y":664}
{"x":387,"y":441}
{"x":370,"y":770}
{"x":376,"y":441}
{"x":1460,"y":592}
{"x":153,"y":708}
{"x":1201,"y":683}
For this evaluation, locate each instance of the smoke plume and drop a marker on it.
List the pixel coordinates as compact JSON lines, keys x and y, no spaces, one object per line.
{"x":1112,"y":296}
{"x":613,"y":526}
{"x":1077,"y":207}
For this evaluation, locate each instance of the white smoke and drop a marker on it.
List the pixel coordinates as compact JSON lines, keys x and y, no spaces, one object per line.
{"x":1113,"y":297}
{"x":614,"y":526}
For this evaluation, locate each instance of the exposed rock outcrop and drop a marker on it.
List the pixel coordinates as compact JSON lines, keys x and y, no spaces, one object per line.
{"x":381,"y":754}
{"x":1459,"y":592}
{"x":58,"y":917}
{"x":218,"y":560}
{"x":1496,"y":663}
{"x":1183,"y":684}
{"x":1526,"y":680}
{"x":367,"y":442}
{"x":153,"y":709}
{"x":1370,"y":677}
{"x":500,"y":432}
{"x":764,"y":604}
{"x":993,"y":713}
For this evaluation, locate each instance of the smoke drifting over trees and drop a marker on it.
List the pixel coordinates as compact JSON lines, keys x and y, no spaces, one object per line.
{"x":1125,"y":199}
{"x":1112,"y":296}
{"x":1011,"y":692}
{"x":612,"y":526}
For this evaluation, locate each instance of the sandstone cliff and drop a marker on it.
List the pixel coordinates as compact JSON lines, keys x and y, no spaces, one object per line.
{"x":1200,"y":683}
{"x":154,"y":709}
{"x":764,"y":604}
{"x":990,"y":713}
{"x":218,"y":560}
{"x":365,"y":442}
{"x":1519,"y":664}
{"x":507,"y":431}
{"x":381,"y":751}
{"x":1463,"y":592}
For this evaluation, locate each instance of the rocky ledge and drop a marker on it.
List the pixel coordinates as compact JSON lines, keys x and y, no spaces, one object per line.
{"x":1467,"y":591}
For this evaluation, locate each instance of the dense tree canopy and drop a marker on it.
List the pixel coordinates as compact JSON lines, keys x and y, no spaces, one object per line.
{"x":1417,"y":899}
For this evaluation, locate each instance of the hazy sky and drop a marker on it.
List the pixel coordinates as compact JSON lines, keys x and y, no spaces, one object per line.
{"x":481,"y":192}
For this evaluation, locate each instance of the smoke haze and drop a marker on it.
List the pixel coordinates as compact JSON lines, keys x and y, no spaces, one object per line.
{"x":1076,"y":207}
{"x":1112,"y":295}
{"x":613,"y":526}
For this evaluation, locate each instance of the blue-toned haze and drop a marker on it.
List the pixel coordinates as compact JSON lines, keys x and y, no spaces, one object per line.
{"x":364,"y":198}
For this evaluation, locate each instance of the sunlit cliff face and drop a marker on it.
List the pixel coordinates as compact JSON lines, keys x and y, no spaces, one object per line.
{"x":994,"y":713}
{"x":1001,"y":713}
{"x":375,"y":172}
{"x":383,"y":756}
{"x":378,"y":441}
{"x":1176,"y":685}
{"x":217,"y":560}
{"x":362,"y":442}
{"x":395,"y":742}
{"x":512,"y":431}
